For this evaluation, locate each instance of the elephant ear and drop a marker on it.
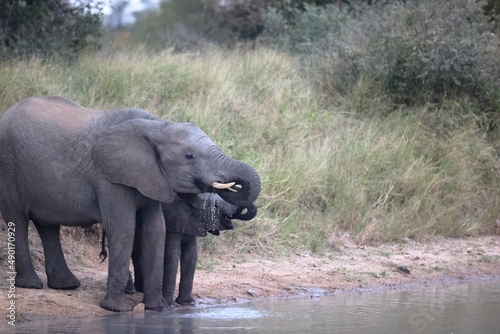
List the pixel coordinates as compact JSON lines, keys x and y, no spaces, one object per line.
{"x":180,"y":218}
{"x":125,"y":155}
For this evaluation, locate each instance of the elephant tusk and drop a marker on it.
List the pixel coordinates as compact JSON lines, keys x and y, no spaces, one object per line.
{"x":218,"y":185}
{"x":235,"y":188}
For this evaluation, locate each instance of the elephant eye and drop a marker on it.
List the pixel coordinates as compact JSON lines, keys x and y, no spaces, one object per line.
{"x":189,"y":156}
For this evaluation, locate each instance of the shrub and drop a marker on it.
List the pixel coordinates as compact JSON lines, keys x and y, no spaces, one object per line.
{"x":432,"y":46}
{"x":304,"y":31}
{"x":417,"y":52}
{"x":50,"y":27}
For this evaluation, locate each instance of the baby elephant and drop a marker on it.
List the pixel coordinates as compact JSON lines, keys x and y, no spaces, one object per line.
{"x":187,"y":217}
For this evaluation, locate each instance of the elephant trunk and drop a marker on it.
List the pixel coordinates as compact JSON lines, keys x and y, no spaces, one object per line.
{"x":240,"y":185}
{"x":247,"y":213}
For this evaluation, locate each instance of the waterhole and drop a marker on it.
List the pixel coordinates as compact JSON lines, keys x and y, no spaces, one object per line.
{"x":458,"y":308}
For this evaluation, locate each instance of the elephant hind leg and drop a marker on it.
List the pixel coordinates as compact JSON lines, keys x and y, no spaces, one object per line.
{"x":17,"y":218}
{"x":26,"y":276}
{"x":58,"y":274}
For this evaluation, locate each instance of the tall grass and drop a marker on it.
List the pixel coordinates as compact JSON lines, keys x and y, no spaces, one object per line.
{"x":326,"y":171}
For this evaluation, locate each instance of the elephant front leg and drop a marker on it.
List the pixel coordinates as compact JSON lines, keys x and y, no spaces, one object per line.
{"x":120,"y":242}
{"x":189,"y":257}
{"x":172,"y":257}
{"x":152,"y":225}
{"x":58,"y":274}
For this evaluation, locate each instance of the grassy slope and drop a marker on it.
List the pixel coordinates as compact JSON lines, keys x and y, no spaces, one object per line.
{"x":326,"y":170}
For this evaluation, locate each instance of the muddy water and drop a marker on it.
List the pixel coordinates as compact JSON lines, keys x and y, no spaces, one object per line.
{"x":472,"y":307}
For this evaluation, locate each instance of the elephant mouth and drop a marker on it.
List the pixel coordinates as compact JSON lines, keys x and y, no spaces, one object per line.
{"x":227,"y":224}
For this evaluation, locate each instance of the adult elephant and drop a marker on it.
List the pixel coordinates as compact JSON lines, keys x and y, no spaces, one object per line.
{"x":62,"y":164}
{"x":186,"y":218}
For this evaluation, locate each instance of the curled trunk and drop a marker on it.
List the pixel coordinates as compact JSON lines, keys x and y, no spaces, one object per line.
{"x":241,"y":185}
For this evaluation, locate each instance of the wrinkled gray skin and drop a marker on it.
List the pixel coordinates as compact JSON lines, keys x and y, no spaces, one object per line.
{"x":62,"y":164}
{"x":186,"y":218}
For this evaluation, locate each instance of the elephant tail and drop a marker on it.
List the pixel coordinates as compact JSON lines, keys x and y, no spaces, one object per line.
{"x":104,"y":254}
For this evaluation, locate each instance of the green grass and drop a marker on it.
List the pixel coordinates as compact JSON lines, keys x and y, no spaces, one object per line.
{"x":327,"y":169}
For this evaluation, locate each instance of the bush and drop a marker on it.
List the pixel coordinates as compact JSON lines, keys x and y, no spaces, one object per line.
{"x":48,"y":27}
{"x":312,"y":29}
{"x":417,"y":52}
{"x":432,"y":46}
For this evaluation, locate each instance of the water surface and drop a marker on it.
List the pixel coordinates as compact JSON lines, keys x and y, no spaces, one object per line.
{"x":463,"y":308}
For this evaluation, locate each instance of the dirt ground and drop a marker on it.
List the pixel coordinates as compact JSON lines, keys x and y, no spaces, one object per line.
{"x":235,"y":277}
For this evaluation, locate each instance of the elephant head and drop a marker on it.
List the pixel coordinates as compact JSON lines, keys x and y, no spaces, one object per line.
{"x":197,"y":214}
{"x":160,"y":157}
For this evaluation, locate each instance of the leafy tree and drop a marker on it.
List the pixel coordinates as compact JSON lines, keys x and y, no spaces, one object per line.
{"x":48,"y":27}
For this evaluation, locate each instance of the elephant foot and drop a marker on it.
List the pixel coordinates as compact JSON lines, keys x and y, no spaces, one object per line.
{"x":154,"y":302}
{"x":69,"y":283}
{"x":28,"y":282}
{"x":185,"y":301}
{"x":115,"y":304}
{"x":157,"y":308}
{"x":170,"y":302}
